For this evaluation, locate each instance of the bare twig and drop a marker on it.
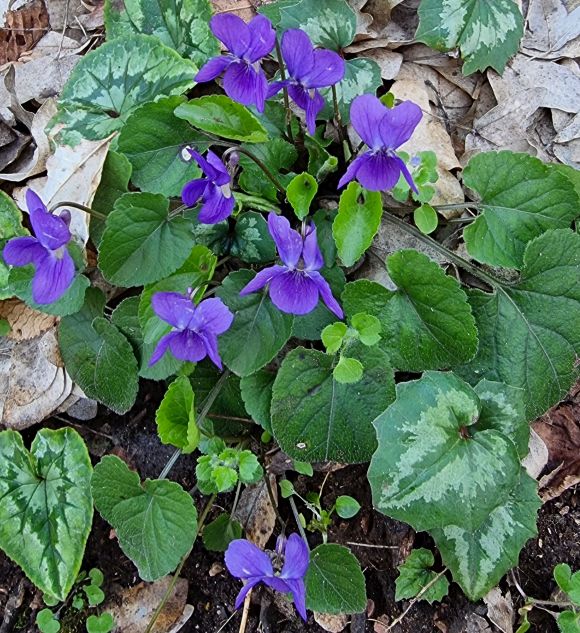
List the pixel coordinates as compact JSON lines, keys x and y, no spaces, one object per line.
{"x":245,"y":612}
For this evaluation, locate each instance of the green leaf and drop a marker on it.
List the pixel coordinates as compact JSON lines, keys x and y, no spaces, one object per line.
{"x":368,"y":328}
{"x":46,"y":621}
{"x":249,"y":468}
{"x":521,"y":198}
{"x":155,"y":521}
{"x":256,"y":392}
{"x":180,"y":24}
{"x":529,"y":332}
{"x":425,"y":218}
{"x":152,"y":140}
{"x":479,"y":559}
{"x":175,"y":416}
{"x":334,"y":581}
{"x":487,"y":33}
{"x":346,"y":507}
{"x":569,"y":622}
{"x":96,"y":576}
{"x":95,"y":595}
{"x":218,"y":534}
{"x":98,"y":356}
{"x":304,"y":468}
{"x":219,"y":115}
{"x":224,"y":478}
{"x":46,"y":508}
{"x":257,"y":321}
{"x":114,"y":183}
{"x":5,"y":328}
{"x":140,"y":232}
{"x":300,"y":193}
{"x":320,"y":162}
{"x":10,"y":226}
{"x":110,"y":82}
{"x":416,"y":573}
{"x":315,"y":418}
{"x":103,"y":623}
{"x":252,"y":241}
{"x":434,"y":465}
{"x":568,"y":582}
{"x":348,"y":371}
{"x":357,"y":222}
{"x":286,"y":488}
{"x":333,"y":335}
{"x":328,"y":23}
{"x":49,"y":601}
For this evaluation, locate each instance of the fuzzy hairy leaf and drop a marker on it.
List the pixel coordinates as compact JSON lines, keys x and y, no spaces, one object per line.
{"x":257,"y":395}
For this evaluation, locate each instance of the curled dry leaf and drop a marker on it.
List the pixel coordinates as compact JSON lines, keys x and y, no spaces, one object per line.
{"x":256,"y":513}
{"x":23,"y":28}
{"x":331,"y":623}
{"x":25,"y":323}
{"x":500,"y":610}
{"x":536,"y":460}
{"x":552,"y":31}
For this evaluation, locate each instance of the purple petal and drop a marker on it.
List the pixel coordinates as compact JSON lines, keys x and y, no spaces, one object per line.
{"x":399,"y":124}
{"x":33,"y":202}
{"x":246,"y":560}
{"x":294,"y":292}
{"x":298,"y":53}
{"x":366,"y":114}
{"x":352,"y":170}
{"x":161,"y":348}
{"x":212,"y":315}
{"x":406,"y":174}
{"x":211,"y":347}
{"x":328,"y":69}
{"x":296,"y":558}
{"x":298,"y":590}
{"x":21,"y":251}
{"x":216,"y":206}
{"x":277,"y":584}
{"x":193,"y":191}
{"x":311,"y":252}
{"x":246,"y":85}
{"x":222,"y":176}
{"x":50,"y":230}
{"x":299,"y":95}
{"x":245,"y":590}
{"x":378,"y":172}
{"x":264,"y":277}
{"x":173,"y":308}
{"x":205,"y":166}
{"x":275,"y":87}
{"x":326,"y":293}
{"x":53,"y":277}
{"x":213,"y":68}
{"x":232,"y":31}
{"x":313,"y":107}
{"x":188,"y":345}
{"x":263,"y":38}
{"x":288,"y":241}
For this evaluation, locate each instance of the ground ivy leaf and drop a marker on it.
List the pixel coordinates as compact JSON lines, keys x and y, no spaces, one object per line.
{"x":256,"y":392}
{"x":315,"y":418}
{"x":357,"y":222}
{"x":218,"y":534}
{"x":175,"y":416}
{"x":180,"y":24}
{"x":334,"y":581}
{"x":257,"y":321}
{"x":522,"y":199}
{"x":416,"y":573}
{"x":155,"y":521}
{"x":479,"y":559}
{"x":529,"y":332}
{"x":434,"y":466}
{"x":152,"y":139}
{"x":45,"y":521}
{"x":110,"y":82}
{"x":139,"y":231}
{"x":98,"y":356}
{"x":487,"y":33}
{"x":218,"y":114}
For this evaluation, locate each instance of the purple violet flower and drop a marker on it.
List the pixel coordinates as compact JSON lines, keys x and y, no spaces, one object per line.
{"x":308,"y":69}
{"x":295,"y":286}
{"x":244,"y":79}
{"x":214,"y":190}
{"x":245,"y":560}
{"x":383,"y":130}
{"x":54,"y":267}
{"x":195,"y":328}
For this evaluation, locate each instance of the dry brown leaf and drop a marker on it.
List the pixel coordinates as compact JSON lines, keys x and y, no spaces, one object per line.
{"x":24,"y":27}
{"x":551,"y":31}
{"x":331,"y":623}
{"x":500,"y":609}
{"x":25,"y":323}
{"x":132,"y":608}
{"x":12,"y":144}
{"x":536,"y":460}
{"x":256,"y":513}
{"x":389,"y":62}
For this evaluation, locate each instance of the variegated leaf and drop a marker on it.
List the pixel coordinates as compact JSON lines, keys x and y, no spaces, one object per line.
{"x":46,"y":508}
{"x":435,"y":465}
{"x":487,"y":33}
{"x":480,"y":558}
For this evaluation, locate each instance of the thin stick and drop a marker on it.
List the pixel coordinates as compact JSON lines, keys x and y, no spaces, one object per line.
{"x":163,"y":474}
{"x":223,"y":626}
{"x":297,"y":518}
{"x":371,"y":545}
{"x":245,"y":612}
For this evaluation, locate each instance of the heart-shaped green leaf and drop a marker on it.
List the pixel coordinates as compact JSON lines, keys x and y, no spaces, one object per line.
{"x":175,"y":416}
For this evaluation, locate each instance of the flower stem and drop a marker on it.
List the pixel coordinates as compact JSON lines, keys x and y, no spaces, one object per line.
{"x":76,"y":205}
{"x":285,"y":93}
{"x":260,"y":163}
{"x":339,"y":126}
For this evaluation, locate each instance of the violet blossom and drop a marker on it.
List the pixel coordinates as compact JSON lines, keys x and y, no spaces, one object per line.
{"x":47,"y":250}
{"x":195,"y":327}
{"x":383,"y":130}
{"x":214,"y":190}
{"x":295,"y":286}
{"x":308,"y":69}
{"x":246,"y":561}
{"x":244,"y":80}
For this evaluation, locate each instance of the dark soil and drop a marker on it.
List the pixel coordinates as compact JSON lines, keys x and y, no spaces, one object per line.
{"x":379,"y":543}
